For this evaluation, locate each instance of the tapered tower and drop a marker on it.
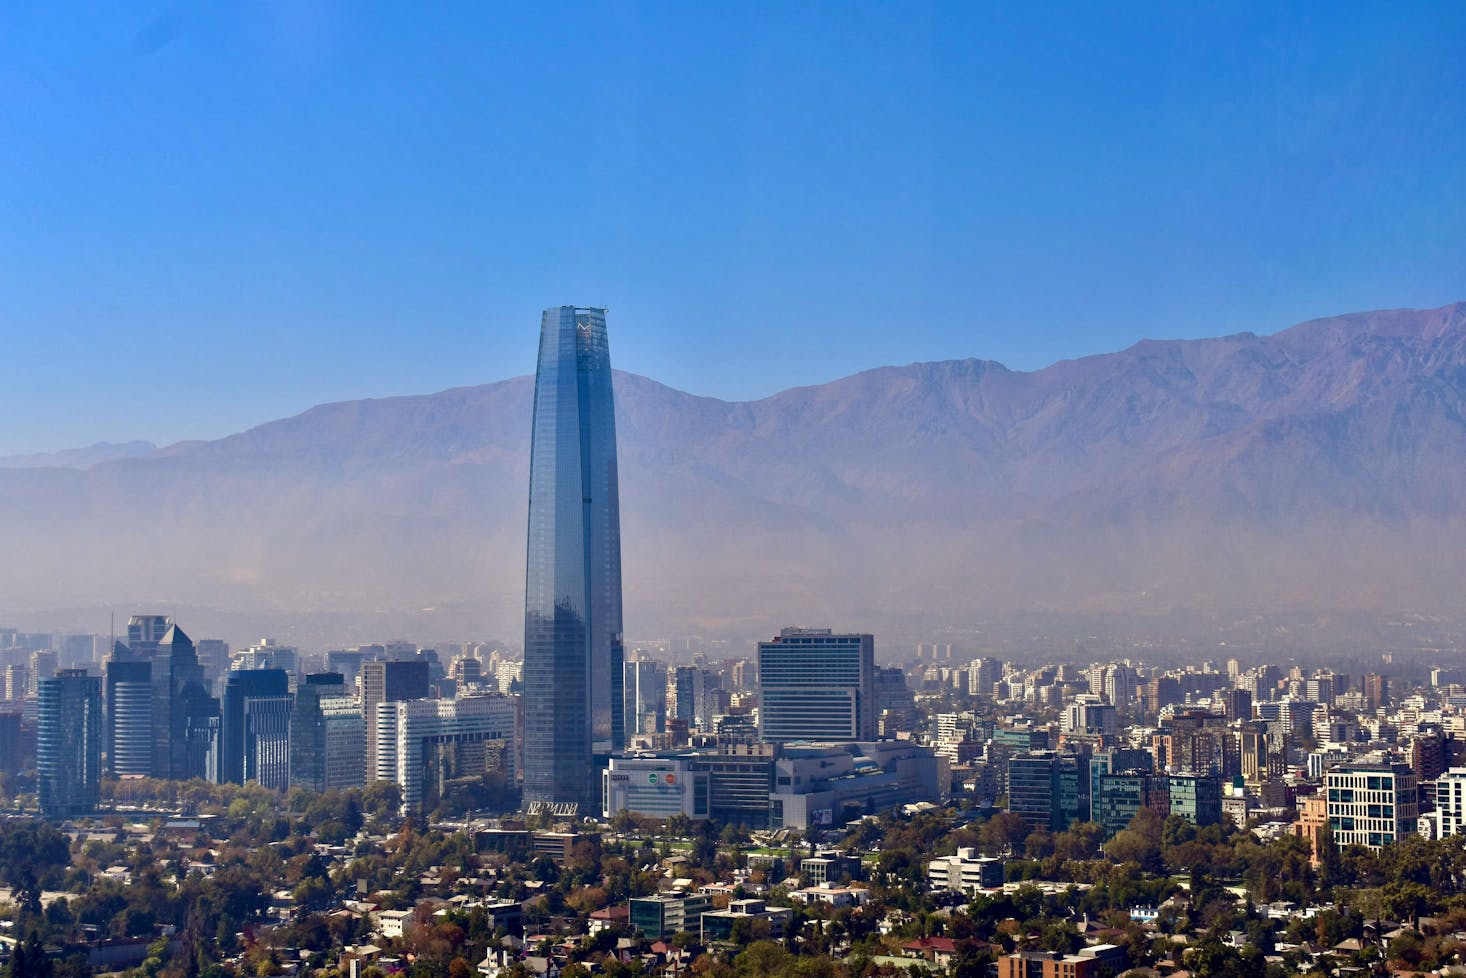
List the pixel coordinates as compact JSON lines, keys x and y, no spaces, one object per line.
{"x":573,"y":680}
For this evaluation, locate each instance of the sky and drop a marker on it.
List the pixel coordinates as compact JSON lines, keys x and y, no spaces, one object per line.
{"x":214,"y":215}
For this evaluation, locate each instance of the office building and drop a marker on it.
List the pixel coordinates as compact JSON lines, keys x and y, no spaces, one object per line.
{"x":661,"y":915}
{"x":1195,"y":797}
{"x":465,"y":670}
{"x":574,"y":701}
{"x":213,"y":655}
{"x":745,"y":921}
{"x":388,"y":682}
{"x":345,"y":742}
{"x":694,"y":697}
{"x":348,"y":663}
{"x":144,"y":632}
{"x":185,"y":715}
{"x":966,"y":872}
{"x":1049,"y":789}
{"x":646,"y":697}
{"x":422,"y":745}
{"x":327,"y":735}
{"x":1119,"y":797}
{"x":129,"y":716}
{"x":817,"y":685}
{"x":1239,"y":704}
{"x":740,"y":777}
{"x":895,"y":704}
{"x":1371,"y":802}
{"x":69,"y":743}
{"x":255,"y":743}
{"x":12,"y":754}
{"x":1118,"y":686}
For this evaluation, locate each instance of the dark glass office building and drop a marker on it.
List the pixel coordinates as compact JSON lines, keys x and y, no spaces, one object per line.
{"x":573,"y":676}
{"x":69,"y":743}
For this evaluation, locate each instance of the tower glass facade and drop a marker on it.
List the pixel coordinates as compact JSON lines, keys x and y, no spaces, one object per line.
{"x":69,"y":743}
{"x":573,"y":675}
{"x":815,"y":684}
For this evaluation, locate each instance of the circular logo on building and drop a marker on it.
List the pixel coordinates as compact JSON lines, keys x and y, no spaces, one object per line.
{"x":651,"y":777}
{"x":671,"y":779}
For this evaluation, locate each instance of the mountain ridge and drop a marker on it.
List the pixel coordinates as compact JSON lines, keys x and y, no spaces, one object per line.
{"x":1322,"y":465}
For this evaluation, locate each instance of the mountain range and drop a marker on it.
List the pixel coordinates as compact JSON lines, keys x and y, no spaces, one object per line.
{"x":1320,"y":468}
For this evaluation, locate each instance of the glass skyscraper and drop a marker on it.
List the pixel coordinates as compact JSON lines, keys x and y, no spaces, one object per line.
{"x":573,"y":676}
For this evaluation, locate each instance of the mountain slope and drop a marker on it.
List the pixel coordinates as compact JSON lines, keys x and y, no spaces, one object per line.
{"x":1320,"y":467}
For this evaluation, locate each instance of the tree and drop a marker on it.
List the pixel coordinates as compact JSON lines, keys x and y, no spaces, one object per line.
{"x":1003,"y":834}
{"x":1406,"y":901}
{"x":29,"y":853}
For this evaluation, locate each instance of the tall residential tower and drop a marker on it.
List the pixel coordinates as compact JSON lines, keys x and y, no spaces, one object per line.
{"x":573,"y":679}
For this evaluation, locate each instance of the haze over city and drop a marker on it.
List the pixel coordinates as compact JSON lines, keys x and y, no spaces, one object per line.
{"x":835,"y":490}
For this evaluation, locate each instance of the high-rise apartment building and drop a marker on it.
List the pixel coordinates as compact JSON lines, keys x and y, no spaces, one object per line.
{"x":69,"y":743}
{"x":817,"y":685}
{"x":1450,"y":803}
{"x":388,"y":682}
{"x":1376,"y":691}
{"x":43,"y":666}
{"x":574,"y":703}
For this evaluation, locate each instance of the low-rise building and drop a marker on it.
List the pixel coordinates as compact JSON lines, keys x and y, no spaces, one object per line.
{"x":748,"y":920}
{"x":835,"y":896}
{"x":966,"y":872}
{"x":663,"y":914}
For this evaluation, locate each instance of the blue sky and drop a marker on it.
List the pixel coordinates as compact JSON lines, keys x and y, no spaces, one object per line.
{"x":217,"y":214}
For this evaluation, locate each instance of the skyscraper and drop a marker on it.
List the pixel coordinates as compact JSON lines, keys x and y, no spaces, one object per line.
{"x":388,"y":682}
{"x":144,"y":632}
{"x":308,"y":729}
{"x":573,"y":680}
{"x":129,"y":715}
{"x":817,"y":685}
{"x":255,"y":743}
{"x":69,"y":743}
{"x":185,"y":716}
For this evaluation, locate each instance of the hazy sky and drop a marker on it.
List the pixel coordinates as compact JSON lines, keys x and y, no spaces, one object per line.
{"x":216,"y":214}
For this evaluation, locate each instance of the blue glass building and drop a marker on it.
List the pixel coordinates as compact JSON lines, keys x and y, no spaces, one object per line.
{"x":69,"y":743}
{"x":573,"y":675}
